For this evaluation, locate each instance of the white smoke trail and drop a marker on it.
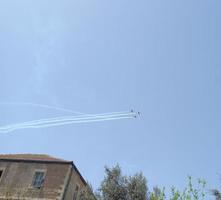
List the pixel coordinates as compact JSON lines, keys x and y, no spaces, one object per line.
{"x":67,"y":118}
{"x":63,"y":120}
{"x":42,"y":106}
{"x":44,"y":125}
{"x":50,"y":122}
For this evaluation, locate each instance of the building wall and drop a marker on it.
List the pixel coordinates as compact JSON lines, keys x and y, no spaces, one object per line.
{"x":73,"y":182}
{"x":16,"y":180}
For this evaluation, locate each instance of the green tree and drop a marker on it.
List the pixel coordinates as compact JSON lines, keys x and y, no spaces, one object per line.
{"x":157,"y":194}
{"x":137,"y":187}
{"x":114,"y":185}
{"x":191,"y":192}
{"x":217,"y":194}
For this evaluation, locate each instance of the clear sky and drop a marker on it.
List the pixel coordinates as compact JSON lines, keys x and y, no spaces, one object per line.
{"x":160,"y":57}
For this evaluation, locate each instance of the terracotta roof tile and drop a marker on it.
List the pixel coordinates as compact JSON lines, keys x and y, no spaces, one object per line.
{"x":31,"y":157}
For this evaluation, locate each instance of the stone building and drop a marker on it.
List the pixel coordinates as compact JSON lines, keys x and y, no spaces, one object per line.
{"x":28,"y":176}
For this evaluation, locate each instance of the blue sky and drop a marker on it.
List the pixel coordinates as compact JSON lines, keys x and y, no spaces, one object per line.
{"x":159,"y":57}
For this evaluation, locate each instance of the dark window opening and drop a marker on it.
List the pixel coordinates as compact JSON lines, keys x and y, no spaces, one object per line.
{"x":1,"y":172}
{"x":76,"y":193}
{"x":38,"y":179}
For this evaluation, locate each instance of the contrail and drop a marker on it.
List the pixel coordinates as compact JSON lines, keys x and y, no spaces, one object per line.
{"x":64,"y":119}
{"x":78,"y":117}
{"x":50,"y":122}
{"x":62,"y":123}
{"x":42,"y":106}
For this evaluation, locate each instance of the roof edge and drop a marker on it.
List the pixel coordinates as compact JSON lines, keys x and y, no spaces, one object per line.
{"x":36,"y":161}
{"x":78,"y":172}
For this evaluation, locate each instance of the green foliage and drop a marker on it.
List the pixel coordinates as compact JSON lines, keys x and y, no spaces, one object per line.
{"x":191,"y":192}
{"x":157,"y":194}
{"x":137,"y":187}
{"x":216,"y":194}
{"x":115,"y":186}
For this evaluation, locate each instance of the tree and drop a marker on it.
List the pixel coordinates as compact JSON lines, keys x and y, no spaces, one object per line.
{"x":137,"y":187}
{"x":191,"y":192}
{"x":157,"y":194}
{"x":114,"y":187}
{"x":217,"y":194}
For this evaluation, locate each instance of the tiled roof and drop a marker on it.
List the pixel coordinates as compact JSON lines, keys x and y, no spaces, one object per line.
{"x":31,"y":157}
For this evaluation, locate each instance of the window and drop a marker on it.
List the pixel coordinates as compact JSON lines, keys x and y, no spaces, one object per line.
{"x":76,"y":193}
{"x":1,"y":172}
{"x":38,"y":179}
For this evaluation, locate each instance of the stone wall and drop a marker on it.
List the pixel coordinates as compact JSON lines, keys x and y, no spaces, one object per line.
{"x":73,"y":182}
{"x":17,"y":177}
